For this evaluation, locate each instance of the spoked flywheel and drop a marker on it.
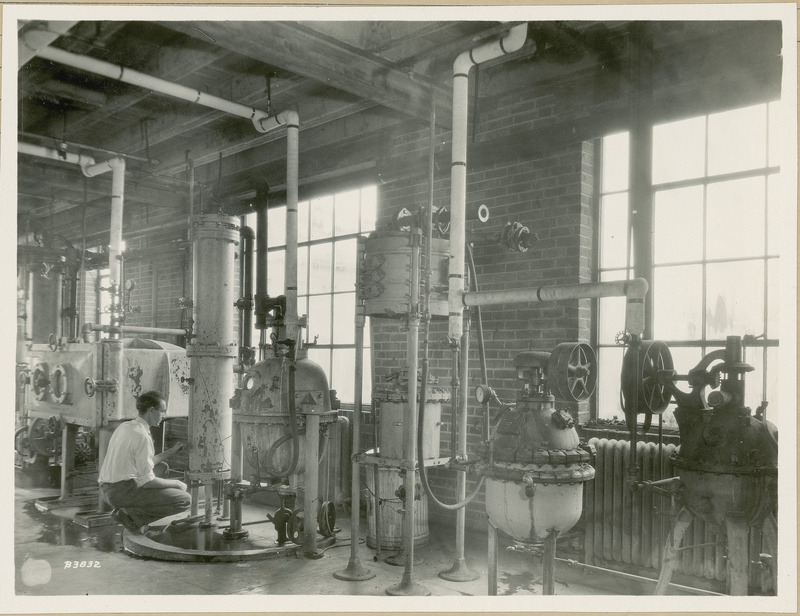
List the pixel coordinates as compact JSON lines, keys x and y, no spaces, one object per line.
{"x":641,"y":391}
{"x":572,"y":371}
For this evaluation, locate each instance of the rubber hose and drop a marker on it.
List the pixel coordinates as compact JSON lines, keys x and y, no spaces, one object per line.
{"x":423,"y":473}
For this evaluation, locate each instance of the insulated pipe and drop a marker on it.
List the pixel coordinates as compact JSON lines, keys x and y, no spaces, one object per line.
{"x":88,"y":328}
{"x":634,"y":290}
{"x":260,"y":119}
{"x":90,"y":168}
{"x":458,"y":171}
{"x":33,"y":40}
{"x":44,"y":152}
{"x":117,"y":168}
{"x":262,"y":225}
{"x":292,"y":121}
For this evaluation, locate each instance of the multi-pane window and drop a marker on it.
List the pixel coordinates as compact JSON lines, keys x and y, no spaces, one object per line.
{"x":714,"y":245}
{"x":328,"y":228}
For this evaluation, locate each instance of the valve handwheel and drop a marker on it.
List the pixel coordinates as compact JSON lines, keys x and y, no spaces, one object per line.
{"x":89,"y":386}
{"x":572,"y":371}
{"x":44,"y":437}
{"x":640,"y":390}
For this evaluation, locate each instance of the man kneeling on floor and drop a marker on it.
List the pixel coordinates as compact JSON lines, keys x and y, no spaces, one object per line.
{"x":133,"y":479}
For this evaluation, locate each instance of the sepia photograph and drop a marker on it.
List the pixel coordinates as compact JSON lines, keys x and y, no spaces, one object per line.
{"x":462,"y":308}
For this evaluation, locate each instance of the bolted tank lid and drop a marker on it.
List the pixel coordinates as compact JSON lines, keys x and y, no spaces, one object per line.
{"x":394,"y":388}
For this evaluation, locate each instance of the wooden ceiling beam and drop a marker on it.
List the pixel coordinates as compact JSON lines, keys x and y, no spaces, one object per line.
{"x":300,"y":50}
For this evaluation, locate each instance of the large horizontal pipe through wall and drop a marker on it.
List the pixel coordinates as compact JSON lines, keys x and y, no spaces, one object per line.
{"x":634,"y":290}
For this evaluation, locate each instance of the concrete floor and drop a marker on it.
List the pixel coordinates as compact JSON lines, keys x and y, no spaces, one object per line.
{"x":55,"y":556}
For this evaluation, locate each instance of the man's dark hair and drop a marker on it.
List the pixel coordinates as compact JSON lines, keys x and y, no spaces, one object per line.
{"x":148,"y":400}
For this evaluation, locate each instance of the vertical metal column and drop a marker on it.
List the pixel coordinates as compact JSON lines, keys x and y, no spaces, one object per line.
{"x":459,"y":572}
{"x":354,"y":570}
{"x":407,"y":585}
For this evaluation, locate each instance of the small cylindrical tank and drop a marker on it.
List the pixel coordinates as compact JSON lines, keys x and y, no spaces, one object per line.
{"x":213,"y":348}
{"x":392,"y":396}
{"x":386,"y":274}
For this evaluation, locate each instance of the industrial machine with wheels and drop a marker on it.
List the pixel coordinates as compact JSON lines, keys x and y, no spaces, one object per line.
{"x":727,"y":461}
{"x":534,"y":463}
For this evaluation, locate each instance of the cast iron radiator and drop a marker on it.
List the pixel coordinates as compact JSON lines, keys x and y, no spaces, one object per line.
{"x":626,"y":526}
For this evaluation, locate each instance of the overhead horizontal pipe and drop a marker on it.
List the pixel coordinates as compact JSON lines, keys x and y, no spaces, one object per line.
{"x":634,"y":290}
{"x":262,"y":121}
{"x":41,"y":151}
{"x":33,"y":40}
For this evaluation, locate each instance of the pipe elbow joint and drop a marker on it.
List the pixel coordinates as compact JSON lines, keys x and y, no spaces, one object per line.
{"x":93,"y":169}
{"x":265,"y":123}
{"x":636,"y":288}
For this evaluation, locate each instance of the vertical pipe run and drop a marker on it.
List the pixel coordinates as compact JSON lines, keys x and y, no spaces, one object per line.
{"x":291,"y":321}
{"x":354,"y":570}
{"x":407,"y":585}
{"x":262,"y":225}
{"x":117,"y":168}
{"x":458,"y":170}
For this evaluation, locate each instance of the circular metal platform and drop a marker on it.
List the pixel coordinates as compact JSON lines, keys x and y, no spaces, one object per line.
{"x":193,"y":543}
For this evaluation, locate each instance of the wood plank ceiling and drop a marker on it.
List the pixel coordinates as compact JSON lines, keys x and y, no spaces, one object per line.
{"x":352,"y":83}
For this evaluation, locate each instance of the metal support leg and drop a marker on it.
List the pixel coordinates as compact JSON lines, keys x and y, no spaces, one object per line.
{"x":737,"y":555}
{"x":355,"y":571}
{"x":194,"y":491}
{"x":68,"y":435}
{"x":310,"y":494}
{"x":208,"y":504}
{"x":492,"y":560}
{"x":549,"y":564}
{"x":674,"y":540}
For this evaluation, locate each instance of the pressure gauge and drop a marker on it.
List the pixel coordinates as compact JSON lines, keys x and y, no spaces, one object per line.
{"x":483,"y":393}
{"x":129,"y":284}
{"x":249,"y":383}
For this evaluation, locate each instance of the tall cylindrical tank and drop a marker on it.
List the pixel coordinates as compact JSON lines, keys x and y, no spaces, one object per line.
{"x":386,"y":274}
{"x":213,"y":348}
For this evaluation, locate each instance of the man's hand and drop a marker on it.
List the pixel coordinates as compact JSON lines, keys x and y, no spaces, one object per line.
{"x":180,"y":485}
{"x":176,"y":447}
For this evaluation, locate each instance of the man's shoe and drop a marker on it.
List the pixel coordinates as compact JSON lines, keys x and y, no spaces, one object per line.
{"x":120,"y":517}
